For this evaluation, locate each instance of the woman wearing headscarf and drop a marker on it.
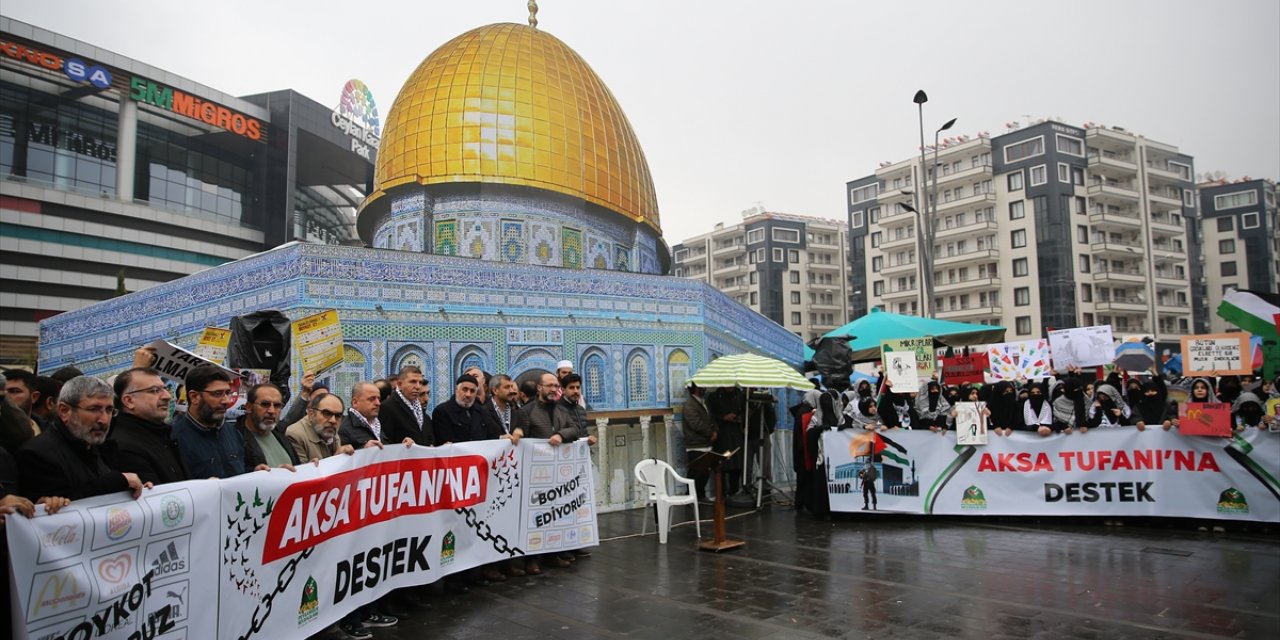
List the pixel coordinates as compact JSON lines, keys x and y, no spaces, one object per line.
{"x":1006,"y":411}
{"x":1069,"y":407}
{"x":1154,"y":408}
{"x":863,"y":415}
{"x":895,"y":409}
{"x":1229,"y":388}
{"x":1108,"y":409}
{"x":1202,"y":391}
{"x":1132,"y":392}
{"x":1247,"y":411}
{"x":1037,"y":413}
{"x":931,"y":408}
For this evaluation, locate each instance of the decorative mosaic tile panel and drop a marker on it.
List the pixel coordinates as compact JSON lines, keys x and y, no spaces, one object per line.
{"x":409,"y":236}
{"x":598,"y":252}
{"x":621,"y":257}
{"x":446,"y":237}
{"x":571,"y":248}
{"x":477,"y":238}
{"x":513,"y":246}
{"x":544,"y":244}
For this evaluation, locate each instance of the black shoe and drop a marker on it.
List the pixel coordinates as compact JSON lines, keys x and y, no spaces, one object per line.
{"x":865,"y":508}
{"x":379,"y":621}
{"x":355,"y":630}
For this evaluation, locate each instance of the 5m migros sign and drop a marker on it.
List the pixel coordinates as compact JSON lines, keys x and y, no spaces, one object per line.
{"x":170,"y":99}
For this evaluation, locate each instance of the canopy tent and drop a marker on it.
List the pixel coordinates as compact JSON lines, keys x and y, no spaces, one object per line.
{"x":868,"y":331}
{"x":808,"y":353}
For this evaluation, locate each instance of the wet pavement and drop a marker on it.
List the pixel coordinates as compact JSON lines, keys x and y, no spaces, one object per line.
{"x":883,"y":577}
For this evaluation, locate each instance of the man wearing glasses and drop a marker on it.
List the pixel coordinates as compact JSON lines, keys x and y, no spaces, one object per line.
{"x":546,"y":417}
{"x":143,"y":441}
{"x":316,"y":436}
{"x":66,"y":460}
{"x":209,"y":449}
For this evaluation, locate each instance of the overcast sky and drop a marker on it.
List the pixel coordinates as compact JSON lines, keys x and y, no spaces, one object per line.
{"x":743,"y":102}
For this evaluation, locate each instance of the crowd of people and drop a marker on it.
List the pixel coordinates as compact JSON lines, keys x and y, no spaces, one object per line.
{"x":69,"y":436}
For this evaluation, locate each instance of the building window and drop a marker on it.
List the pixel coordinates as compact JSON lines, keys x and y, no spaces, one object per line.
{"x":593,"y":379}
{"x":1084,"y":264}
{"x":1228,"y":268}
{"x":1236,"y":199}
{"x":1249,"y":220}
{"x":1070,"y":146}
{"x":877,"y":262}
{"x":1015,"y":180}
{"x":680,"y":254}
{"x":1020,"y":267}
{"x":755,"y":236}
{"x":1025,"y":149}
{"x":1081,"y":205}
{"x":1038,"y":176}
{"x":1022,"y":296}
{"x":795,"y":277}
{"x":1082,"y":234}
{"x":1077,"y":176}
{"x":754,"y":276}
{"x":877,"y":287}
{"x":793,"y":256}
{"x":1183,"y":170}
{"x":1226,"y":223}
{"x":755,"y":298}
{"x":1023,"y":325}
{"x":1064,"y":173}
{"x":779,"y":255}
{"x":795,"y":297}
{"x":874,"y":212}
{"x":795,"y":317}
{"x":862,"y":194}
{"x":1017,"y":210}
{"x":1018,"y":238}
{"x":858,"y":219}
{"x":638,"y":379}
{"x":790,"y":236}
{"x":1227,"y":246}
{"x":875,"y":239}
{"x":1188,"y":197}
{"x":1086,"y":292}
{"x":759,"y":255}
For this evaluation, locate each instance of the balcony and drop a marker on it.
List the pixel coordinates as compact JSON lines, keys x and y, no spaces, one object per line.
{"x":968,"y":284}
{"x":1118,"y":218}
{"x":730,"y":269}
{"x":1165,"y":175}
{"x":977,"y":255}
{"x":1168,"y":304}
{"x":1127,"y":248}
{"x":969,"y":312}
{"x":1170,"y":279}
{"x":898,"y":269}
{"x":1163,"y":197}
{"x":979,"y":227}
{"x":1101,"y":138}
{"x":967,"y":173}
{"x":1117,"y":192}
{"x":834,"y":265}
{"x":1165,"y":225}
{"x":727,"y":248}
{"x":898,"y":243}
{"x":1125,"y":276}
{"x":968,"y":201}
{"x":1108,"y":159}
{"x":905,"y":293}
{"x":1121,"y":305}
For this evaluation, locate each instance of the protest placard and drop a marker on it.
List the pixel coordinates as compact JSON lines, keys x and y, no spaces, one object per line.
{"x":1216,"y":354}
{"x":1205,"y":419}
{"x":174,"y":362}
{"x":907,"y":361}
{"x":1025,"y":360}
{"x":968,"y":369}
{"x":971,"y":423}
{"x":1081,"y":347}
{"x":212,"y":345}
{"x":317,"y":340}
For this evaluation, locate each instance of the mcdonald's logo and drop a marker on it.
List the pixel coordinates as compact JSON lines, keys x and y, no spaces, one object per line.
{"x":59,"y":592}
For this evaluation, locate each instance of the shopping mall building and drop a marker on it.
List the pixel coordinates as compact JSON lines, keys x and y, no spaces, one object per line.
{"x":117,"y":175}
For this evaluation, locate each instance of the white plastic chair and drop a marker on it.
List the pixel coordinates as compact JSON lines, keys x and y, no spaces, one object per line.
{"x":652,"y":474}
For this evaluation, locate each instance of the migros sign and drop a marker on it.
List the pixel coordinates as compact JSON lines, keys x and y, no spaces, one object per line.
{"x":170,"y":99}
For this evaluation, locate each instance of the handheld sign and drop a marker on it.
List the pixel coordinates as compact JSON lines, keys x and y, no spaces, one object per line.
{"x":964,"y":369}
{"x":174,"y":362}
{"x":212,"y":345}
{"x":1216,"y":354}
{"x":971,"y":424}
{"x":1205,"y":419}
{"x":1081,"y":347}
{"x":318,"y":341}
{"x":907,"y":361}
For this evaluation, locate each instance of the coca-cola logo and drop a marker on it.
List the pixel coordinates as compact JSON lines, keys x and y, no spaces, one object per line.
{"x":62,"y":536}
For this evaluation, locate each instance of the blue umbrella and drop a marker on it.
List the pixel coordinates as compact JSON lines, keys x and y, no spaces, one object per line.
{"x":868,"y":331}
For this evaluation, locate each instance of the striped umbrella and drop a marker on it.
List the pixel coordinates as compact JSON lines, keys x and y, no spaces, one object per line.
{"x":750,"y":370}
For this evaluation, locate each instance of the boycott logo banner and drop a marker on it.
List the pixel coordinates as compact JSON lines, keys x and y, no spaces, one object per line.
{"x":1205,"y":419}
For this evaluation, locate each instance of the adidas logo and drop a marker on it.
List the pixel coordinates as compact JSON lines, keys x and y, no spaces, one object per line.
{"x":169,"y":561}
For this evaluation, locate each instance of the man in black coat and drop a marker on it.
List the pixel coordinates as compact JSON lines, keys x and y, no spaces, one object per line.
{"x":265,"y":447}
{"x":66,"y":460}
{"x":458,"y":419}
{"x":361,"y":423}
{"x":142,"y":440}
{"x":403,"y":415}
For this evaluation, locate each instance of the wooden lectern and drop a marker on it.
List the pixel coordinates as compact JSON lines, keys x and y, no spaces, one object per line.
{"x":710,"y":462}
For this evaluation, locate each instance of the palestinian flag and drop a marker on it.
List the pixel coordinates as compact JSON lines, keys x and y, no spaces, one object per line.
{"x":1252,"y":311}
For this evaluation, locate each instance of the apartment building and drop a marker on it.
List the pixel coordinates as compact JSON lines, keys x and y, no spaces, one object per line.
{"x":1046,"y":226}
{"x":1241,"y":232}
{"x":791,"y":269}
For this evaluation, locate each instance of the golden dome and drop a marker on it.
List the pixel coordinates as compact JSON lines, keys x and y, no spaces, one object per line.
{"x":510,"y":104}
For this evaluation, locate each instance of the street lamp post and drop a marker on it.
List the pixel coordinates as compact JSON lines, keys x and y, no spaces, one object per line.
{"x":931,"y":222}
{"x":929,"y":211}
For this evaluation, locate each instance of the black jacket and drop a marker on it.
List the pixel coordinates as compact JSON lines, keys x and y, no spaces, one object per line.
{"x":454,"y":423}
{"x":542,"y":420}
{"x":355,"y":432}
{"x":398,"y":423}
{"x":253,"y":455}
{"x":493,"y":421}
{"x":147,"y":449}
{"x":55,"y":463}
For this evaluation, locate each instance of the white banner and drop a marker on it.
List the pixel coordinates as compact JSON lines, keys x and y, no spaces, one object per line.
{"x":293,"y":552}
{"x":1112,"y":472}
{"x":1081,"y":347}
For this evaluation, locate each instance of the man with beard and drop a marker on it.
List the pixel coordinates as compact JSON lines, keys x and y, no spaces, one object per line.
{"x":316,"y":436}
{"x":264,"y":444}
{"x":571,"y":387}
{"x":66,"y":460}
{"x":501,"y":413}
{"x":142,"y":440}
{"x":547,"y":418}
{"x":209,"y":448}
{"x":1153,"y":407}
{"x":21,"y":388}
{"x":699,"y":435}
{"x":403,"y":415}
{"x":458,"y":419}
